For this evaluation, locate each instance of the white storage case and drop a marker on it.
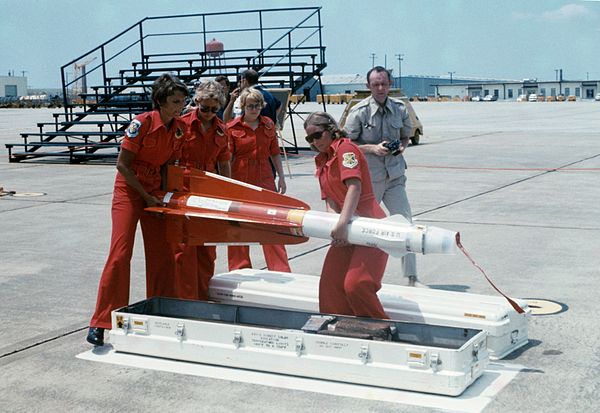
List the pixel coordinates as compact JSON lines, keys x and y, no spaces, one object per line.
{"x":416,"y":357}
{"x":507,"y":329}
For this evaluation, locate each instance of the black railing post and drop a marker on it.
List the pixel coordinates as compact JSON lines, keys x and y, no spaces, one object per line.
{"x":141,"y":41}
{"x":290,"y":60}
{"x":102,"y":54}
{"x":322,"y":57}
{"x":64,"y":89}
{"x":262,"y":45}
{"x":204,"y":32}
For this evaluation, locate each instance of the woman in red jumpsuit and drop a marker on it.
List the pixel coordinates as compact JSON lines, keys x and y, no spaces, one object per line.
{"x":151,"y":140}
{"x":252,"y":141}
{"x":351,"y":274}
{"x":205,"y":148}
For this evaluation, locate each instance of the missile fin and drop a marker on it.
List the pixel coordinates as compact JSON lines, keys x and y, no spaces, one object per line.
{"x":397,"y":218}
{"x":217,"y":186}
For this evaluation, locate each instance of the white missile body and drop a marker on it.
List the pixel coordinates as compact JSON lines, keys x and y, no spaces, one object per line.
{"x":394,"y":235}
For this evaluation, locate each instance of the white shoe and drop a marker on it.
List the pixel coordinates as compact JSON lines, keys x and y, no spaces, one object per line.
{"x":413,"y":281}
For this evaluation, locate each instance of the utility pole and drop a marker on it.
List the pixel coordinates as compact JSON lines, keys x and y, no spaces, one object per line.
{"x":372,"y":59}
{"x":556,"y":72}
{"x":385,"y":61}
{"x":400,"y":57}
{"x":451,"y":73}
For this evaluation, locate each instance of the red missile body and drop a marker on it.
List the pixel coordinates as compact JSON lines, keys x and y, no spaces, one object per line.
{"x":219,"y":210}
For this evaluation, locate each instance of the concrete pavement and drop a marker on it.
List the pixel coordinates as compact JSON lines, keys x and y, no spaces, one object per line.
{"x":518,"y":180}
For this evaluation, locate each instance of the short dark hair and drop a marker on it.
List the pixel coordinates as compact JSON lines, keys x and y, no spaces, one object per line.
{"x":223,"y":78}
{"x":379,"y":69}
{"x":251,"y":76}
{"x":165,"y":86}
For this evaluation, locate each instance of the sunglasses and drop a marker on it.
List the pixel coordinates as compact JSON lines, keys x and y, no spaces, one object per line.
{"x":314,"y":136}
{"x":206,"y":109}
{"x":253,"y":106}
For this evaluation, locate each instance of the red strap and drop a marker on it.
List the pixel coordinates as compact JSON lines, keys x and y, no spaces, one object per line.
{"x":514,"y":305}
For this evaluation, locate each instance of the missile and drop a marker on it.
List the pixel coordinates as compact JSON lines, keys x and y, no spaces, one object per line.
{"x":207,"y":209}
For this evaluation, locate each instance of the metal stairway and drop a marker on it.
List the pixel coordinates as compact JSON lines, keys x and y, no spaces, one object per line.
{"x":92,"y":123}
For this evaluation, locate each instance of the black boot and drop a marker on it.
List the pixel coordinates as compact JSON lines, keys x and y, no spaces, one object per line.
{"x":95,"y":336}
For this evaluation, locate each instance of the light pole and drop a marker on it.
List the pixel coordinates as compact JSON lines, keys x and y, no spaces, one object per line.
{"x":451,"y":73}
{"x":400,"y":59}
{"x":372,"y":59}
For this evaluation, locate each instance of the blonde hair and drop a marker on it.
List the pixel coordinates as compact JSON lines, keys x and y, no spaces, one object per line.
{"x":252,"y":94}
{"x":210,"y":90}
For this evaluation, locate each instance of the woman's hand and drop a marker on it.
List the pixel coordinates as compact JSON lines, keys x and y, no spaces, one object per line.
{"x":152,"y":201}
{"x":339,"y":235}
{"x":281,"y":186}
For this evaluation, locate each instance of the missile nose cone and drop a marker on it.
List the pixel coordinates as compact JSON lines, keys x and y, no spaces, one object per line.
{"x":439,"y":241}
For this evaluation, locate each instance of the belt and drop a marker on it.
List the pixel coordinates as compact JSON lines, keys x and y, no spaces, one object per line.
{"x":143,"y":168}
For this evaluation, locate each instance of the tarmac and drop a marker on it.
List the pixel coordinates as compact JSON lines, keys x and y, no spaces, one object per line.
{"x":519,"y":181}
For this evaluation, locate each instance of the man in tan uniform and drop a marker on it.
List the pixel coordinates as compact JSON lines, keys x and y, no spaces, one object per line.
{"x":372,"y":124}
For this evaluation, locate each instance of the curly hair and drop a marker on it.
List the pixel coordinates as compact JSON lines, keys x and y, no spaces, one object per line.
{"x":210,"y":90}
{"x":163,"y":87}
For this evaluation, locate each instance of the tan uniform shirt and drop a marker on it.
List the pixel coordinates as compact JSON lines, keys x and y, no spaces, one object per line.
{"x":370,"y":123}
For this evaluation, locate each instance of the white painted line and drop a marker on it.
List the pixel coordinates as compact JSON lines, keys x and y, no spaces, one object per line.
{"x":473,"y":400}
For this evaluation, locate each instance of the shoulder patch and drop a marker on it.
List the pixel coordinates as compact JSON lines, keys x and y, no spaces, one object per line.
{"x":269,"y":124}
{"x":349,"y":160}
{"x":178,"y":133}
{"x":134,"y":128}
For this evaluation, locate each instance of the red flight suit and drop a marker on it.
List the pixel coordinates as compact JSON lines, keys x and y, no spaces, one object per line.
{"x":195,"y":265}
{"x":154,"y":145}
{"x":351,"y":275}
{"x":251,"y":150}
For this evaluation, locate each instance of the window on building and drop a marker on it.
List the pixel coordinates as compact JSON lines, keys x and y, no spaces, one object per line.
{"x":520,"y":91}
{"x":578,"y":91}
{"x":553,"y":91}
{"x":510,"y":93}
{"x":496,"y":92}
{"x":543,"y":91}
{"x":486,"y":92}
{"x":10,"y":90}
{"x":567,"y":91}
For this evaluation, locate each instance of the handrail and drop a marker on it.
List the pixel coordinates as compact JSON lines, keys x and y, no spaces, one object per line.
{"x":142,"y":35}
{"x":292,"y":29}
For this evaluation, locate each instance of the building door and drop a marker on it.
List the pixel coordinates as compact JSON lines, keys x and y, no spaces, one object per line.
{"x":589,"y":93}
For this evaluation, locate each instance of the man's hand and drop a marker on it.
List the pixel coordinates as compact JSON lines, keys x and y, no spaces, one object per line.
{"x":376,"y":149}
{"x":235,"y":93}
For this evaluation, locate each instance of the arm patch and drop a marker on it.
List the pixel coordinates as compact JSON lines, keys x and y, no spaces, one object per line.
{"x":349,"y":160}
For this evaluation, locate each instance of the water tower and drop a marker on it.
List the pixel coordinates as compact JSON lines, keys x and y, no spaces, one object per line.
{"x":214,"y":52}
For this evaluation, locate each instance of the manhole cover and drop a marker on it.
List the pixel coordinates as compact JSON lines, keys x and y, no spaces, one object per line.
{"x":545,"y":307}
{"x":28,"y":194}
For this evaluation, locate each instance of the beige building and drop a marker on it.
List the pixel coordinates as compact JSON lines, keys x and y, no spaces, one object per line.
{"x":511,"y":90}
{"x":13,"y":86}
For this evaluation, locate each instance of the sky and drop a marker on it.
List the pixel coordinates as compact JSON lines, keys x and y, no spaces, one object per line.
{"x":504,"y":39}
